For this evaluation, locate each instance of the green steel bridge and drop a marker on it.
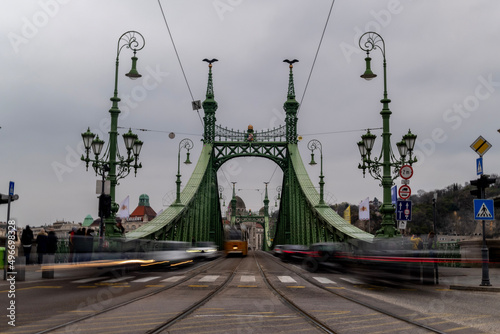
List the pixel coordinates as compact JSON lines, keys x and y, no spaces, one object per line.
{"x":303,"y":216}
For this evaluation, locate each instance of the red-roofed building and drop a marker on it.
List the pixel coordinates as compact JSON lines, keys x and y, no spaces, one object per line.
{"x":141,"y":215}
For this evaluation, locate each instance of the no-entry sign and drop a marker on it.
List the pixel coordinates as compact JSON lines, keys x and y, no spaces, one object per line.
{"x":404,"y":191}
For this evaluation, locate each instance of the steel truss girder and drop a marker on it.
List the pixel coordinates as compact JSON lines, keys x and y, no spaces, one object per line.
{"x":298,"y":221}
{"x":201,"y":217}
{"x":275,"y":151}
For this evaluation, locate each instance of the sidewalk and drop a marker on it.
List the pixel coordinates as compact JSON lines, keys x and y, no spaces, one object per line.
{"x":469,"y":279}
{"x":33,"y":273}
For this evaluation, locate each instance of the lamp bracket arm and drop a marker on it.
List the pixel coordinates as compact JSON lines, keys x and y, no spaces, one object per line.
{"x":131,"y":40}
{"x":372,"y":41}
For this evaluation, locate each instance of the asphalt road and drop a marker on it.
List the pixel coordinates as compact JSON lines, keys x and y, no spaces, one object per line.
{"x":246,"y":304}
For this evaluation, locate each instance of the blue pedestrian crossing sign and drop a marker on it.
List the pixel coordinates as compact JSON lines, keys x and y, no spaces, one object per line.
{"x":483,"y":209}
{"x":11,"y":188}
{"x":479,"y":166}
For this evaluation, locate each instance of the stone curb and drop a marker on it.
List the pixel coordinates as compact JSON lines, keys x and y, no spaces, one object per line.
{"x":474,"y":288}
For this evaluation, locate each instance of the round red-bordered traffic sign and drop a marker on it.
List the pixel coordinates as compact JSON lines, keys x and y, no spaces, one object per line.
{"x":404,"y":192}
{"x":406,"y":172}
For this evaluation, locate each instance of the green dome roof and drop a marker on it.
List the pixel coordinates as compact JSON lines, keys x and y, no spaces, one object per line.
{"x":144,"y":200}
{"x":88,"y":221}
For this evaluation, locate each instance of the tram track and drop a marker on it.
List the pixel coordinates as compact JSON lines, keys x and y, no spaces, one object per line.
{"x":310,"y":318}
{"x":287,"y":298}
{"x":186,"y":312}
{"x":356,"y":301}
{"x":192,"y":273}
{"x":286,"y":301}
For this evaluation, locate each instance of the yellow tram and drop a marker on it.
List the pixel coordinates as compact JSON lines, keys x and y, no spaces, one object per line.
{"x":236,"y":242}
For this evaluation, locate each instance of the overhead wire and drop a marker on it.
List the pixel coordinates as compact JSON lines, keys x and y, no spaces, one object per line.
{"x":315,"y":56}
{"x":342,"y":131}
{"x":179,"y":59}
{"x":163,"y":131}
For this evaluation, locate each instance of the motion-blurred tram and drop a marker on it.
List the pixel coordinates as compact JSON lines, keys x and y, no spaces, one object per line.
{"x":236,"y":240}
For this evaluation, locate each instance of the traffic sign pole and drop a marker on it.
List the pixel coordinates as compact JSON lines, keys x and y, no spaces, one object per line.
{"x":5,"y":263}
{"x":485,"y":277}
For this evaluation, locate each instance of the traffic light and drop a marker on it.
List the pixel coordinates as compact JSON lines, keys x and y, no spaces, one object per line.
{"x":482,"y":183}
{"x":486,"y":180}
{"x":104,"y":206}
{"x":476,"y":192}
{"x":5,"y":198}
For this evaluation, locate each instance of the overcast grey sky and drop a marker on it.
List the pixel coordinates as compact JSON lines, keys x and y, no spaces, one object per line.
{"x":58,"y":74}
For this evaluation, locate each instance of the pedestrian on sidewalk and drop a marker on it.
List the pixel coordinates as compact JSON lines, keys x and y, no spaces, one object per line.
{"x":51,"y":242}
{"x":27,"y":241}
{"x":41,"y":245}
{"x":71,"y":243}
{"x":432,"y":246}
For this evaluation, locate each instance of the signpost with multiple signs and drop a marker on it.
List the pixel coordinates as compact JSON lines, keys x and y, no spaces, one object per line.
{"x":403,"y":207}
{"x":483,"y":208}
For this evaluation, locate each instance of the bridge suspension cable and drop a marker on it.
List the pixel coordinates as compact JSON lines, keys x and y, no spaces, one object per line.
{"x":315,"y":56}
{"x":179,"y":59}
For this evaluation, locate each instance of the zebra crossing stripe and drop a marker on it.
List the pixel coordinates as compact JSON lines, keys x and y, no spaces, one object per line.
{"x":351,"y":280}
{"x":286,"y":279}
{"x":88,"y":280}
{"x":245,"y":278}
{"x":119,"y":279}
{"x":145,"y":279}
{"x":173,"y":279}
{"x":324,"y":280}
{"x":209,"y":278}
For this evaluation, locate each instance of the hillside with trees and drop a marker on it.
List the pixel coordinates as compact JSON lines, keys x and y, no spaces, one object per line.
{"x":454,"y":211}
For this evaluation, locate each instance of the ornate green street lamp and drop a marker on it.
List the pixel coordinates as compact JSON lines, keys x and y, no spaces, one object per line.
{"x":111,"y":160}
{"x":313,"y":145}
{"x":187,"y":144}
{"x":368,"y":42}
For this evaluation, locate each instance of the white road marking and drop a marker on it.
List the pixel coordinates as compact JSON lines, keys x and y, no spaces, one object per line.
{"x":88,"y":280}
{"x":324,"y":280}
{"x":351,"y":280}
{"x":173,"y":279}
{"x":119,"y":279}
{"x":247,"y":278}
{"x":286,"y":279}
{"x":145,"y":279}
{"x":209,"y":278}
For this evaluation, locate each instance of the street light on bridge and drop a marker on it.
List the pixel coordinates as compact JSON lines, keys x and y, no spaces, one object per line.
{"x":386,"y":160}
{"x":188,"y":145}
{"x":111,"y":158}
{"x":313,"y":145}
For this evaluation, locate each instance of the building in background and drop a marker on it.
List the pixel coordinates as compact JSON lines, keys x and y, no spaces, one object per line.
{"x":143,"y":214}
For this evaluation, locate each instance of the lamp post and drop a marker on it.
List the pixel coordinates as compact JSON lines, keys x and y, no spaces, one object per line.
{"x":313,"y":145}
{"x":386,"y":161}
{"x":187,"y":144}
{"x":221,"y":195}
{"x":277,"y":197}
{"x":111,"y":160}
{"x":434,"y":204}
